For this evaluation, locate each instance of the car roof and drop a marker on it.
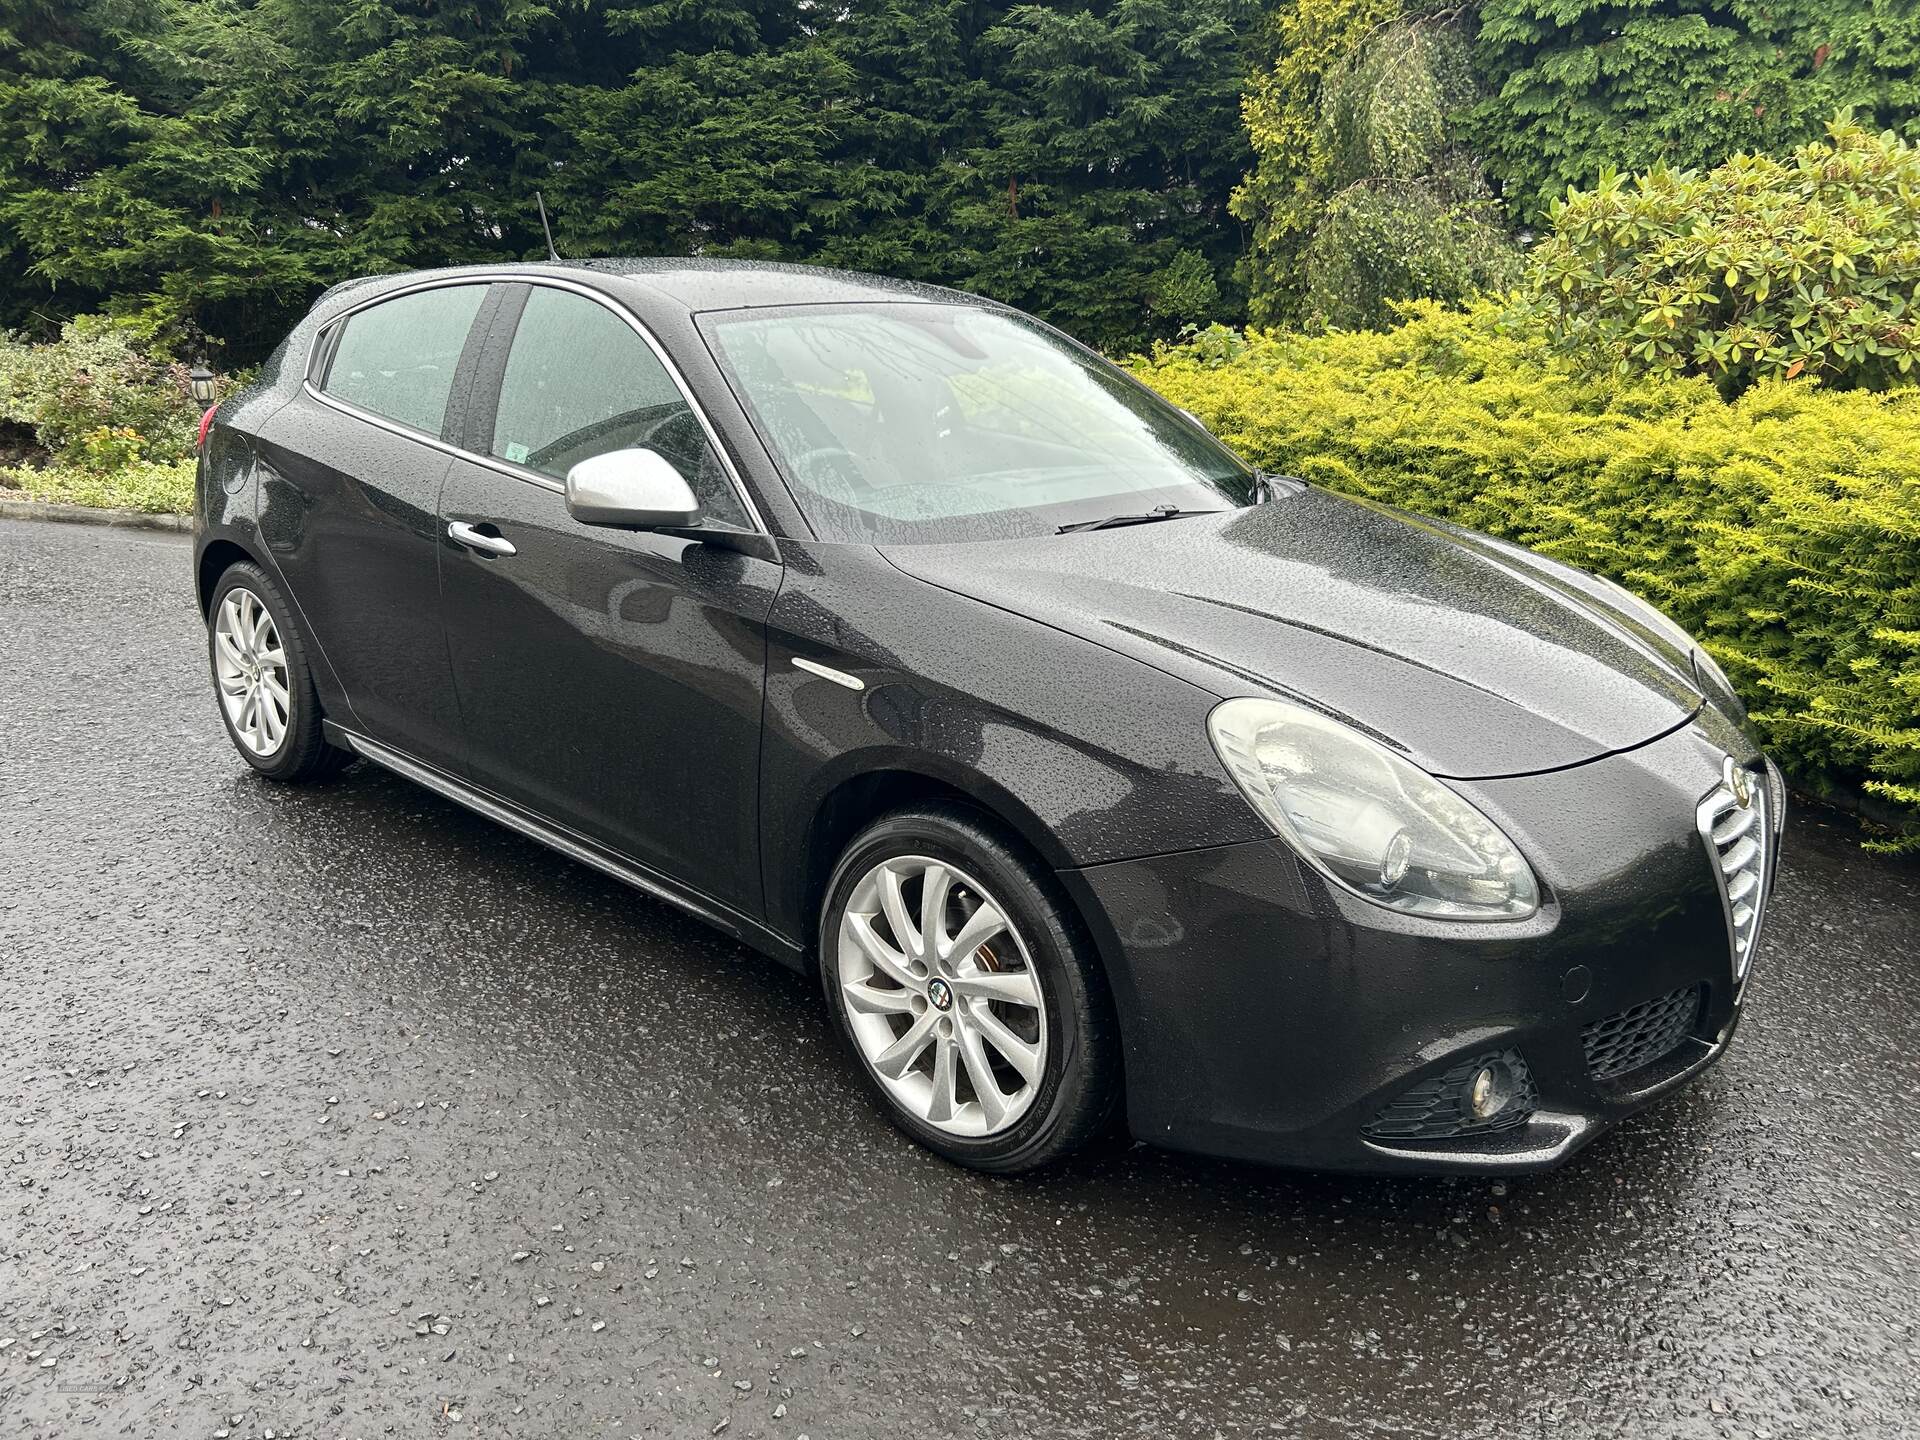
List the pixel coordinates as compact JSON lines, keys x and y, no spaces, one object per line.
{"x":698,"y":284}
{"x":738,"y":284}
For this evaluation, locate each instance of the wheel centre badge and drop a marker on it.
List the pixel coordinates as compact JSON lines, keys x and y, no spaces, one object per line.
{"x":940,"y":993}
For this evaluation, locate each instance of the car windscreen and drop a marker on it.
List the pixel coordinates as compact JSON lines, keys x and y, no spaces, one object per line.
{"x":932,"y":422}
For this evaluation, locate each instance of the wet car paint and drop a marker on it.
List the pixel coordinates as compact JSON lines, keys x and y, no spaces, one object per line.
{"x":1062,"y":683}
{"x":1459,"y":655}
{"x":220,"y":994}
{"x":350,"y":520}
{"x":1281,"y":1017}
{"x":621,"y":675}
{"x":1088,"y":756}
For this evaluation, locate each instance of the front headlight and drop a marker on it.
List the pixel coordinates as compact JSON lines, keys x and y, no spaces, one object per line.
{"x":1368,"y":820}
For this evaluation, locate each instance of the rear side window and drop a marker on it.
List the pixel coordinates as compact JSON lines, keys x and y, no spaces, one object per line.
{"x":580,"y":382}
{"x":398,"y":358}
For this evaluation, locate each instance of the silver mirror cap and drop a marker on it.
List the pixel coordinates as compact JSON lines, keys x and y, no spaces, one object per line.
{"x":637,"y":488}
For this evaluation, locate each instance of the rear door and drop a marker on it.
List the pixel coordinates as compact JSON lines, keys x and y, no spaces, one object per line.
{"x":350,"y":506}
{"x":610,"y":680}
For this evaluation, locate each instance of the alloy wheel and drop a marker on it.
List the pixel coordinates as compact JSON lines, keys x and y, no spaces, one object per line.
{"x":250,"y":667}
{"x":942,"y":997}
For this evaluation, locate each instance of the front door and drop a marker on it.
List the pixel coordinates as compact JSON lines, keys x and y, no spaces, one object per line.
{"x":609,"y":680}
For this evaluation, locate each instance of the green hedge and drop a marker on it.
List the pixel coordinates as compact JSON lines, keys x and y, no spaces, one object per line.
{"x":154,"y":487}
{"x":1782,"y":528}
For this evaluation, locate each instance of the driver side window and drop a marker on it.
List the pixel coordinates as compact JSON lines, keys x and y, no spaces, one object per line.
{"x":579,"y":382}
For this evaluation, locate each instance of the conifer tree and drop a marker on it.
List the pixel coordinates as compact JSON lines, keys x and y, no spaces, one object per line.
{"x":213,"y":164}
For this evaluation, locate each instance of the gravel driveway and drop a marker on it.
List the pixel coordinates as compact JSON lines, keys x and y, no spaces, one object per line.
{"x":341,"y":1112}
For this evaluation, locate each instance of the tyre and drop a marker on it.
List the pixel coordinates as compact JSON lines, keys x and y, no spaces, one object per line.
{"x":968,"y":992}
{"x":261,"y":679}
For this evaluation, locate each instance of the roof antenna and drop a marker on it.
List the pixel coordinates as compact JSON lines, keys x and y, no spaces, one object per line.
{"x":546,"y":229}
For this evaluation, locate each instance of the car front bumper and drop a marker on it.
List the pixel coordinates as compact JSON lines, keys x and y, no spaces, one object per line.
{"x":1269,"y":1016}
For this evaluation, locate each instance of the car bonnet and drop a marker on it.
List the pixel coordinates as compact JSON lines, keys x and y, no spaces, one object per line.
{"x":1475,"y":658}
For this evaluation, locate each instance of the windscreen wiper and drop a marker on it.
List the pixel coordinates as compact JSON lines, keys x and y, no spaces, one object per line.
{"x":1114,"y":522}
{"x":1268,"y":487}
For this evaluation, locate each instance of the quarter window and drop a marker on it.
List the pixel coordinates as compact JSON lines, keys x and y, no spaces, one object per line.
{"x":398,"y":358}
{"x":580,"y":382}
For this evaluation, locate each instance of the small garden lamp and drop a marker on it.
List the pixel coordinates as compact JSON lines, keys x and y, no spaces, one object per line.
{"x":200,"y":382}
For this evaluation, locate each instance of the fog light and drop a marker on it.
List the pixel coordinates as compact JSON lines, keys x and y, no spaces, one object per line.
{"x":1481,"y":1095}
{"x":1489,"y":1092}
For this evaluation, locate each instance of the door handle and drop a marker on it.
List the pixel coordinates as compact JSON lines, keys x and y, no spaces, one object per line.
{"x":460,"y":532}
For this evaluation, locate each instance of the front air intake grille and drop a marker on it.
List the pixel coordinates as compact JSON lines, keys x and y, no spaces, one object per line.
{"x":1736,"y":821}
{"x":1438,"y":1109}
{"x":1634,"y":1038}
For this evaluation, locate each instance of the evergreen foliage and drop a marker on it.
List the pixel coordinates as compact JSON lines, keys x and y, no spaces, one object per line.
{"x":1362,"y":193}
{"x":1577,"y":86}
{"x":153,"y":487}
{"x":1283,"y":196}
{"x":1781,"y":528}
{"x":215,"y":163}
{"x":1759,"y":268}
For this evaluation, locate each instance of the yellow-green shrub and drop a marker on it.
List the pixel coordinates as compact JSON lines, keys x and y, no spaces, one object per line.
{"x":155,"y":487}
{"x":1782,"y":528}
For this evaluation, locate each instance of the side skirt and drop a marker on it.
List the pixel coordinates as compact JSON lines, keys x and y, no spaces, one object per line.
{"x":575,"y":847}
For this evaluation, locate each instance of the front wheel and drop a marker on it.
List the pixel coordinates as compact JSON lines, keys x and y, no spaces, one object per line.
{"x":965,"y":986}
{"x":260,"y":676}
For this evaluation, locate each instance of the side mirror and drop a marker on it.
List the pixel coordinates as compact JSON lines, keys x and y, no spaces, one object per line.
{"x":638,"y":489}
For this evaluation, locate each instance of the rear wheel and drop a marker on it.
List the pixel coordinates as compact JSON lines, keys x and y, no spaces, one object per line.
{"x":964,"y":986}
{"x":260,"y":676}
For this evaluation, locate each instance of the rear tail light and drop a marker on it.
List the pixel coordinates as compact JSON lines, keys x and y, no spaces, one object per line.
{"x":206,"y":420}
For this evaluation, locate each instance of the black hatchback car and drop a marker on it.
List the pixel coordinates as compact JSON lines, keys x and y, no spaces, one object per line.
{"x":908,"y":641}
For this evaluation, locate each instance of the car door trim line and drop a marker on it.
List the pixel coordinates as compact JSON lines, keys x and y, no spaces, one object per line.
{"x":565,"y":842}
{"x":552,"y":282}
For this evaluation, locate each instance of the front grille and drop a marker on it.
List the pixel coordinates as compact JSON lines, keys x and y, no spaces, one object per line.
{"x":1436,"y":1109}
{"x":1738,"y":838}
{"x":1633,"y":1038}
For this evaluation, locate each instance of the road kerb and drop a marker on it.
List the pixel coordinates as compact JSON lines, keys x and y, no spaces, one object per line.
{"x":92,"y":515}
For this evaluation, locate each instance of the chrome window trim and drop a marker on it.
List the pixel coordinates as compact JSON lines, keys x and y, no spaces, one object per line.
{"x":438,"y":282}
{"x":507,"y":467}
{"x":407,"y":432}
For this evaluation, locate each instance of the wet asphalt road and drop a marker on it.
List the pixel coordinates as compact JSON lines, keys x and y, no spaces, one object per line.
{"x":342,"y":1112}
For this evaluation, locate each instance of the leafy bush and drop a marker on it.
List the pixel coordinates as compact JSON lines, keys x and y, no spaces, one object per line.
{"x":1760,"y":268}
{"x":1380,"y":242}
{"x":95,"y":399}
{"x":1782,"y":528}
